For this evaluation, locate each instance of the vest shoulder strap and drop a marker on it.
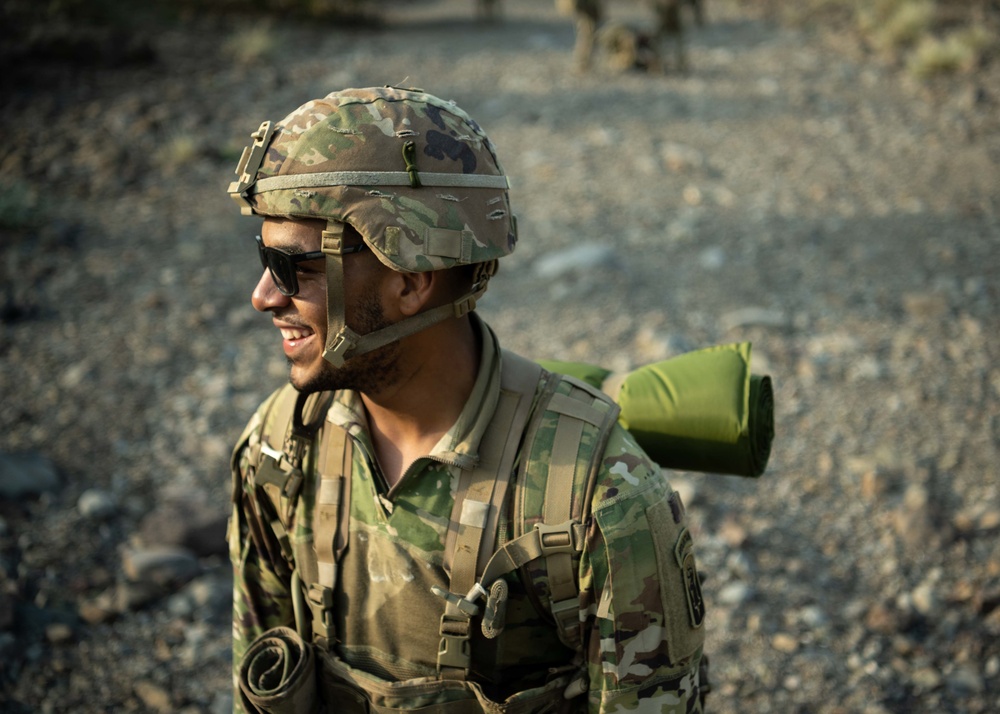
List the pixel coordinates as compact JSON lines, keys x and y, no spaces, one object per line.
{"x":278,"y":458}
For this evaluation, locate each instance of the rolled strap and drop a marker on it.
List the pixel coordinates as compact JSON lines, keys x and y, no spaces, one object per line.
{"x":278,"y":676}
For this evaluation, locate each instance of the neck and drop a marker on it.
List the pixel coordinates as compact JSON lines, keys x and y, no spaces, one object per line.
{"x":408,"y":418}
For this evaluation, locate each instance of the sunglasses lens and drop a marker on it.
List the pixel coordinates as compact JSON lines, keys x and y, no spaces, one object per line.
{"x":280,"y":266}
{"x":282,"y":271}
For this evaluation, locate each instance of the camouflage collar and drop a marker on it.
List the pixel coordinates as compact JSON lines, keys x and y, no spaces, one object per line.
{"x":460,"y":445}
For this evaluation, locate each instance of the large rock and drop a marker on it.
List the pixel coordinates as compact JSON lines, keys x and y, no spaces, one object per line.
{"x":162,"y":567}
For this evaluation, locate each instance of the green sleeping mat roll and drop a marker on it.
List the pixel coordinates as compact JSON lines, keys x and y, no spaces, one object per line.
{"x":700,"y":411}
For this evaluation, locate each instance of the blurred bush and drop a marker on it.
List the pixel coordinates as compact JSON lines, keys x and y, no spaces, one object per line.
{"x":252,"y":44}
{"x":959,"y":51}
{"x":926,"y":37}
{"x":892,"y":25}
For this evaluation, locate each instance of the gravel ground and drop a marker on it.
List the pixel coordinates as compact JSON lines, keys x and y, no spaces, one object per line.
{"x":788,"y":190}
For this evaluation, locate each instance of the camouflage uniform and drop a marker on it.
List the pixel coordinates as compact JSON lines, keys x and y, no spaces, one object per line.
{"x":640,"y":609}
{"x":641,"y":649}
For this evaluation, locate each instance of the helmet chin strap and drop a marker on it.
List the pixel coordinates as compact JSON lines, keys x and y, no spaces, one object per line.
{"x":343,"y":343}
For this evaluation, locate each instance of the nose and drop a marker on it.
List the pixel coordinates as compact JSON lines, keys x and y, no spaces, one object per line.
{"x":266,"y":295}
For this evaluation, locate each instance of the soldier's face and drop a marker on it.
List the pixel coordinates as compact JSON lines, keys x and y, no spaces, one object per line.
{"x":301,"y":318}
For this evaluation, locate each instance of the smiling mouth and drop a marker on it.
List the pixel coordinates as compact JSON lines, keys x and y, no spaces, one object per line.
{"x":291,"y":334}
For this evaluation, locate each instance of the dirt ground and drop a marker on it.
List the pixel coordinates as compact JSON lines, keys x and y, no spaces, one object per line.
{"x":789,"y":189}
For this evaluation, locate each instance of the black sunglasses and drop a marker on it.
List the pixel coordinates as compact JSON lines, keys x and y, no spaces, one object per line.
{"x":281,"y":265}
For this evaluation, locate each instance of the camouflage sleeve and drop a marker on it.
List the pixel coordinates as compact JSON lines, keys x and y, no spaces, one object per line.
{"x":261,"y":598}
{"x":641,"y":598}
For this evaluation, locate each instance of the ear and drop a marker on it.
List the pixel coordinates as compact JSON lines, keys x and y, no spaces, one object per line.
{"x":413,"y":292}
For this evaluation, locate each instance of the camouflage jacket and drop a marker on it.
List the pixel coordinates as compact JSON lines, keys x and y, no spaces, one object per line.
{"x":641,"y":614}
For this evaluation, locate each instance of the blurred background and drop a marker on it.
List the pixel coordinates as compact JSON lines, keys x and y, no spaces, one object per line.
{"x":823,"y":180}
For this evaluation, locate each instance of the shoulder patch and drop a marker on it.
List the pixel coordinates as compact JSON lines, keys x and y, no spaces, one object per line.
{"x":684,"y":555}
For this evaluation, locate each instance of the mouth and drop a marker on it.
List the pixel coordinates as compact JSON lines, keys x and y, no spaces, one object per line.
{"x":294,"y":338}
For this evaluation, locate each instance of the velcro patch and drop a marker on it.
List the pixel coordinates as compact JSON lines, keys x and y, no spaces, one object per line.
{"x":684,"y":553}
{"x":391,"y":247}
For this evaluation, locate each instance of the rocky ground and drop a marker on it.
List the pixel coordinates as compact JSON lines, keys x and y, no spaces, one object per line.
{"x":789,"y":190}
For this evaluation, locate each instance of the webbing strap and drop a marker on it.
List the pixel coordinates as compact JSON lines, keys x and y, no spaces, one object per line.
{"x":279,"y":415}
{"x":519,"y":376}
{"x":477,"y":485}
{"x":330,"y":528}
{"x":542,"y":541}
{"x":274,"y":475}
{"x":578,"y":405}
{"x":563,"y":590}
{"x":481,"y":492}
{"x":580,"y":421}
{"x":562,"y":467}
{"x":335,"y":469}
{"x":279,"y":475}
{"x":376,"y":178}
{"x":346,"y":343}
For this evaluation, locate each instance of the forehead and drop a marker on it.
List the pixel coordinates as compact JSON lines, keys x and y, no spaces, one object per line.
{"x":289,"y":234}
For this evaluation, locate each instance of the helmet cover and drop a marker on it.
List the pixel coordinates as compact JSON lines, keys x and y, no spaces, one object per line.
{"x":412,"y":173}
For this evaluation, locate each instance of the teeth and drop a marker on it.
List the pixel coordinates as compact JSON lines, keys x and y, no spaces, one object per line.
{"x":293,"y":334}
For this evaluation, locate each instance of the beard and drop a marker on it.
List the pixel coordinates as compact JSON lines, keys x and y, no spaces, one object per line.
{"x":369,"y":372}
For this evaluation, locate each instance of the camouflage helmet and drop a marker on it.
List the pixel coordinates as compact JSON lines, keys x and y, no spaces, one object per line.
{"x":412,"y":173}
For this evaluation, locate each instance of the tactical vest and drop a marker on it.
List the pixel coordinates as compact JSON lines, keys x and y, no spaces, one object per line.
{"x":548,"y":533}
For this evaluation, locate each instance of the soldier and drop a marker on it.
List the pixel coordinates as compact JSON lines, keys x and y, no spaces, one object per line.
{"x":630,"y":47}
{"x":438,"y":523}
{"x":587,"y":16}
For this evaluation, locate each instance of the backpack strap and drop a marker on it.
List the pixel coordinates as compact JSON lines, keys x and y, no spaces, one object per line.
{"x":579,"y":421}
{"x":571,"y":464}
{"x":555,"y":528}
